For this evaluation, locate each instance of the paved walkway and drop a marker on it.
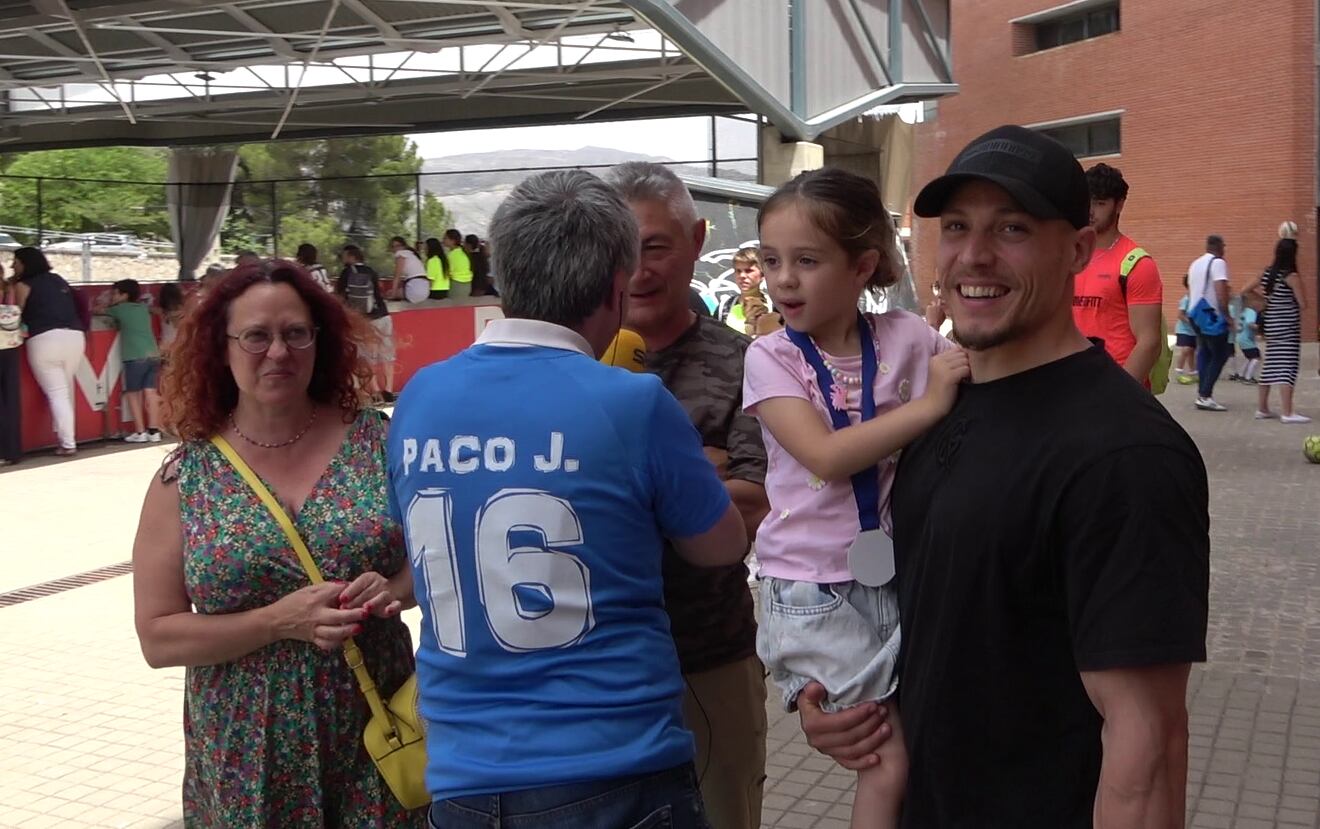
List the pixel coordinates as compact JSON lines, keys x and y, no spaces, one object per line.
{"x":90,"y":736}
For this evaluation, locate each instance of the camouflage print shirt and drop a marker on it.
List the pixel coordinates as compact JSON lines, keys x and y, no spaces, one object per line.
{"x":710,"y":609}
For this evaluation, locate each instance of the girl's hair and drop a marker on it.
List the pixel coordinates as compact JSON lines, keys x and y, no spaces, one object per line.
{"x":171,"y":297}
{"x":1285,"y":256}
{"x":34,"y":261}
{"x":472,"y":241}
{"x":748,"y":256}
{"x":198,"y":388}
{"x":454,"y":236}
{"x":847,"y":208}
{"x":307,"y":254}
{"x":403,"y":242}
{"x":435,"y":249}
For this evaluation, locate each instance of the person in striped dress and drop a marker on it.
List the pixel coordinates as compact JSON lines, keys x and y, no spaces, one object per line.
{"x":1286,"y":299}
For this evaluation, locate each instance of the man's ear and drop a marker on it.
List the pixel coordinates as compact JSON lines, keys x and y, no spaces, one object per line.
{"x":618,"y":298}
{"x":699,"y":235}
{"x":1083,"y":247}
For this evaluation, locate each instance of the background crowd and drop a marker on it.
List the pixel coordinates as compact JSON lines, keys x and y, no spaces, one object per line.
{"x":40,"y":310}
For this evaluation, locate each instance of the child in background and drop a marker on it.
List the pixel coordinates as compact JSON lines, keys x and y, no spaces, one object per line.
{"x":751,"y":314}
{"x":1247,"y":331}
{"x":141,"y":358}
{"x":1184,"y":352}
{"x":1234,"y":314}
{"x":170,"y":310}
{"x":826,"y":559}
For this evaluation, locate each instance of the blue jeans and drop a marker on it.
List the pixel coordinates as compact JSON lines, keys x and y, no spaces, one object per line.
{"x":1211,"y":354}
{"x":662,"y":800}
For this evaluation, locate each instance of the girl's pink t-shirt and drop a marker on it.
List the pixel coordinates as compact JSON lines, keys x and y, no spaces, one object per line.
{"x":812,"y":523}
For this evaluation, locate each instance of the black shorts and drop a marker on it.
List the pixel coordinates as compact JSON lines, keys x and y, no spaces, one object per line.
{"x":1251,"y":353}
{"x":1185,"y":340}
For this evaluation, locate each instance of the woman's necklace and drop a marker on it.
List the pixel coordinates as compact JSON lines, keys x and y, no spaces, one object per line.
{"x":280,"y":445}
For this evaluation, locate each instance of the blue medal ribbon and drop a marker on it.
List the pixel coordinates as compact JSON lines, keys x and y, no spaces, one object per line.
{"x":866,"y":484}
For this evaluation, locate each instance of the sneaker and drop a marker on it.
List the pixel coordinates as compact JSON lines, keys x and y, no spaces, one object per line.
{"x":1294,"y":418}
{"x":136,"y":437}
{"x":1208,"y":404}
{"x":1187,"y":379}
{"x":1265,"y":415}
{"x":153,"y":437}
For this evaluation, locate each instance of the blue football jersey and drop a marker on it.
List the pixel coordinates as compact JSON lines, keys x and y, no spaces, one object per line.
{"x":535,"y":486}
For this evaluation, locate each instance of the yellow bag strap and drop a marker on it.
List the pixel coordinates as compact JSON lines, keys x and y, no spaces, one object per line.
{"x":352,"y":653}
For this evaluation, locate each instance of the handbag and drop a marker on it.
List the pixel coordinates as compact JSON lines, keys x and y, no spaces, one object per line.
{"x":395,"y":735}
{"x":11,"y":321}
{"x":1205,"y":318}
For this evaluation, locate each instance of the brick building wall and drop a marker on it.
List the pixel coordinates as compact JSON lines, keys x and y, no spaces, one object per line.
{"x":1218,"y":122}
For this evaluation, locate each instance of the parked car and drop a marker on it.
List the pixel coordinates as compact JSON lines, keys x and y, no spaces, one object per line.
{"x":8,"y":242}
{"x":100,"y":243}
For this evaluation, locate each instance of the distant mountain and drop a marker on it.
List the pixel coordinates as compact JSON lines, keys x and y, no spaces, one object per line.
{"x":473,"y":185}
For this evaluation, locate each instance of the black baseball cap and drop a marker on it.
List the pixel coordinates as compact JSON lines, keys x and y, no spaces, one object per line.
{"x":1037,"y":171}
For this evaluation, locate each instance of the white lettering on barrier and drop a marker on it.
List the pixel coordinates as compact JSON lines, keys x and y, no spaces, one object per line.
{"x":96,"y":387}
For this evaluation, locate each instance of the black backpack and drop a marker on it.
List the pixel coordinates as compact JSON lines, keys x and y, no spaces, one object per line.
{"x":360,"y":288}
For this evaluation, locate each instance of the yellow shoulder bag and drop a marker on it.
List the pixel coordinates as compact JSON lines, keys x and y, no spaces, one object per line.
{"x":395,"y":736}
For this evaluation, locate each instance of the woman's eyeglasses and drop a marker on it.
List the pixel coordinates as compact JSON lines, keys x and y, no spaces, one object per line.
{"x":259,"y":340}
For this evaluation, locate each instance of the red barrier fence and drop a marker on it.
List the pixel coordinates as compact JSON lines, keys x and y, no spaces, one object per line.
{"x":423,"y":333}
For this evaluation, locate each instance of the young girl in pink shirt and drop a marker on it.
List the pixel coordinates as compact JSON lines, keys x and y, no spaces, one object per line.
{"x":839,"y":393}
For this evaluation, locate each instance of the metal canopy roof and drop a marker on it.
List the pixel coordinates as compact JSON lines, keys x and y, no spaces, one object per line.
{"x":175,"y":72}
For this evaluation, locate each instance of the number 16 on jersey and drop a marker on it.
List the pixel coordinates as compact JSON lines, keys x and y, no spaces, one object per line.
{"x":535,"y":596}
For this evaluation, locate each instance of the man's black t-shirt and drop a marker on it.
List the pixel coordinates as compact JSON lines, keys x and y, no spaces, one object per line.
{"x":1055,"y":522}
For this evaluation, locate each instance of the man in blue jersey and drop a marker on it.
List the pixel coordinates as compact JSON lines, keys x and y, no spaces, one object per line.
{"x":536,"y":487}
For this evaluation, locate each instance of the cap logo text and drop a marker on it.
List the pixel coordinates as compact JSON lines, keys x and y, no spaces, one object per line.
{"x":1000,"y":145}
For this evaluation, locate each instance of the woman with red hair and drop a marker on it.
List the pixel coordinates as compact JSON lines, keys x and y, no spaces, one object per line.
{"x":273,"y":718}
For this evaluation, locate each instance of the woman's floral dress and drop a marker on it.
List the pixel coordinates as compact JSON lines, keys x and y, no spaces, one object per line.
{"x":274,"y":739}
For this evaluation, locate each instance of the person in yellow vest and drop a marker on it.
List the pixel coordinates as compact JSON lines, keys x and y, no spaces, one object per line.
{"x":460,"y":266}
{"x":437,"y":268}
{"x":1116,"y":300}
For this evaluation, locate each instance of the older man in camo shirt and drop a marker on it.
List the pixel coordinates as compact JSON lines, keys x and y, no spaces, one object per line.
{"x":700,"y":360}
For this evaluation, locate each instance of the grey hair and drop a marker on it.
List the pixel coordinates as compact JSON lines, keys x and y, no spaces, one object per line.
{"x":648,"y":181}
{"x":558,"y":241}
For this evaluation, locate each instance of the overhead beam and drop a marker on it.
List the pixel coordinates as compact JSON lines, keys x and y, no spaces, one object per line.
{"x":277,"y":42}
{"x":588,"y":79}
{"x":387,"y":30}
{"x":169,"y":47}
{"x":533,"y":46}
{"x":52,"y":44}
{"x":91,"y":52}
{"x":510,"y":22}
{"x":639,"y":93}
{"x":873,"y":55}
{"x":928,"y":29}
{"x":311,"y":56}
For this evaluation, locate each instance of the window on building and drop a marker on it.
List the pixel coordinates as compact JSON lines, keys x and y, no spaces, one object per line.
{"x":1088,"y":138}
{"x":1072,"y":26}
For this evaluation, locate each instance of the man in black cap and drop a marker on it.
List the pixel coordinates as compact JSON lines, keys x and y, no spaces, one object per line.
{"x":1052,"y":538}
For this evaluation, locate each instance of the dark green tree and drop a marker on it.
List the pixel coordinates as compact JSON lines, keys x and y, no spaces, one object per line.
{"x":84,"y":206}
{"x":361,"y":190}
